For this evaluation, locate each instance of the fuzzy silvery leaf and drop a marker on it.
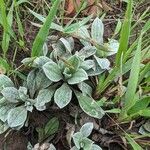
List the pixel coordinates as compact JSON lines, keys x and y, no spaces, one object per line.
{"x":63,"y":96}
{"x":58,"y":50}
{"x":77,"y":138}
{"x":79,"y":76}
{"x":52,"y":147}
{"x":5,"y":82}
{"x":52,"y":71}
{"x":95,"y":71}
{"x":29,"y":108}
{"x":102,"y":62}
{"x":40,"y":61}
{"x":83,"y":33}
{"x":89,"y":106}
{"x":87,"y":64}
{"x":3,"y":127}
{"x":87,"y":51}
{"x":113,"y":47}
{"x":71,"y":41}
{"x":85,"y":89}
{"x":11,"y":94}
{"x":3,"y":101}
{"x":86,"y":129}
{"x":73,"y":62}
{"x":4,"y":110}
{"x":67,"y":73}
{"x":97,"y":30}
{"x":45,"y":49}
{"x":17,"y":116}
{"x":44,"y":96}
{"x":95,"y":147}
{"x":23,"y":93}
{"x":86,"y":144}
{"x":66,"y":44}
{"x":147,"y":126}
{"x":28,"y":61}
{"x":74,"y":148}
{"x":41,"y":80}
{"x":143,"y":131}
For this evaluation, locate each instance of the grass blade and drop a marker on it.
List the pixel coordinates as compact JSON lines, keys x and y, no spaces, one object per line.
{"x":43,"y":33}
{"x":133,"y":81}
{"x":125,"y":33}
{"x":134,"y":145}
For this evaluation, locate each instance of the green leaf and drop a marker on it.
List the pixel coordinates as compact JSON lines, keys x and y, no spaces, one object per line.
{"x":87,"y":64}
{"x":43,"y":33}
{"x":51,"y":127}
{"x":86,"y":143}
{"x":96,"y":147}
{"x":4,"y":66}
{"x":5,"y":82}
{"x":86,"y":52}
{"x":133,"y":81}
{"x":102,"y":62}
{"x":134,"y":145}
{"x":83,"y":33}
{"x":66,"y":44}
{"x":41,"y":80}
{"x":52,"y":71}
{"x":11,"y":94}
{"x":44,"y":96}
{"x":97,"y":31}
{"x":63,"y":96}
{"x":40,"y":61}
{"x":86,"y":129}
{"x":74,"y":27}
{"x":3,"y":127}
{"x":113,"y":47}
{"x":145,"y":112}
{"x":74,"y":63}
{"x":79,"y":76}
{"x":4,"y":110}
{"x":118,"y":27}
{"x":139,"y":105}
{"x":53,"y":26}
{"x":85,"y":89}
{"x":17,"y":116}
{"x":125,"y":33}
{"x":77,"y":138}
{"x":113,"y":111}
{"x":89,"y":106}
{"x":23,"y":93}
{"x":36,"y":80}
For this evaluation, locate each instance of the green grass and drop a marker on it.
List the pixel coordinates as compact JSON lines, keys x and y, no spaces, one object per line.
{"x":44,"y":31}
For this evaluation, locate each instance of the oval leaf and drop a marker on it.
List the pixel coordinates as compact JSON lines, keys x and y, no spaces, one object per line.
{"x":44,"y":96}
{"x":5,"y":82}
{"x":63,"y":96}
{"x":17,"y":116}
{"x":86,"y":129}
{"x":52,"y":71}
{"x":89,"y":106}
{"x":97,"y":31}
{"x":79,"y":76}
{"x":11,"y":94}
